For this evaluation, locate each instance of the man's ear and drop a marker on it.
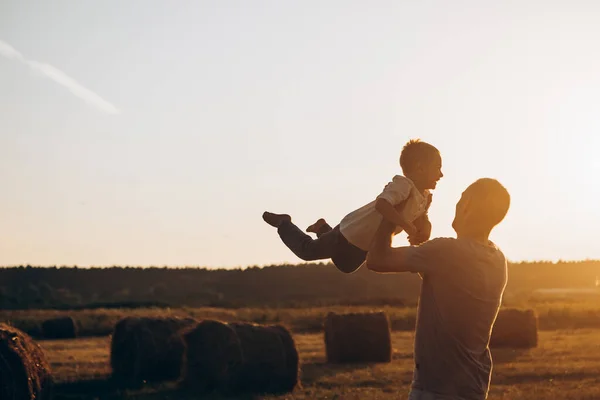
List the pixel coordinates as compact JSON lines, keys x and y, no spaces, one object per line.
{"x":466,"y":208}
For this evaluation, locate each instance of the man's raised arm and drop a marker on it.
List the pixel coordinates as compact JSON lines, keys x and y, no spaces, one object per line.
{"x":382,"y":257}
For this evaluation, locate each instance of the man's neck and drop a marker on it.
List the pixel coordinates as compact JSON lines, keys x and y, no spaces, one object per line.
{"x":480,"y":237}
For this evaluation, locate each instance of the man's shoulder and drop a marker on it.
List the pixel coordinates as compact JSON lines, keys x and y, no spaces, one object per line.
{"x":488,"y":254}
{"x":499,"y":255}
{"x":441,"y":241}
{"x":432,"y":256}
{"x":449,"y":246}
{"x":440,"y":246}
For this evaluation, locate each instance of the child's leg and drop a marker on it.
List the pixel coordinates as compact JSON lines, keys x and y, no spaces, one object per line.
{"x":349,"y":258}
{"x":305,"y":247}
{"x":324,"y":229}
{"x":331,"y":244}
{"x":320,"y":227}
{"x":302,"y":245}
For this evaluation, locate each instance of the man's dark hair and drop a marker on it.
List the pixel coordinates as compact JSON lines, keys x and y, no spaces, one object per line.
{"x":492,"y":200}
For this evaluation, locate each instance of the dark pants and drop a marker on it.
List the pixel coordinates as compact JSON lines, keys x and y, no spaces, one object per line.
{"x":330,"y":244}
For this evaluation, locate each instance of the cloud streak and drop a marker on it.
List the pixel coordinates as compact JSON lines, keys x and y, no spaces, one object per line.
{"x":61,"y":78}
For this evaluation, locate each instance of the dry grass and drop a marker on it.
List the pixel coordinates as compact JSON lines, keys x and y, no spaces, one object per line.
{"x":101,"y":322}
{"x":552,"y":314}
{"x":565,"y":365}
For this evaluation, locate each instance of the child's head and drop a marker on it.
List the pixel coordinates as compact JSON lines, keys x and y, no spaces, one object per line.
{"x":421,"y":163}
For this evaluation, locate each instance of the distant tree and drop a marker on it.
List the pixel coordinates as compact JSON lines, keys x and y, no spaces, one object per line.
{"x":158,"y":291}
{"x":66,"y":297}
{"x":47,"y":293}
{"x":122,"y":295}
{"x":6,"y":300}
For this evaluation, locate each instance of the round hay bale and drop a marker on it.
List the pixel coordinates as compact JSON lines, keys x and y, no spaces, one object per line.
{"x":148,"y":349}
{"x":240,"y":357}
{"x":24,"y":370}
{"x":213,"y":357}
{"x":515,"y":329}
{"x":59,"y":328}
{"x":290,"y":375}
{"x":265,"y":367}
{"x":358,"y":338}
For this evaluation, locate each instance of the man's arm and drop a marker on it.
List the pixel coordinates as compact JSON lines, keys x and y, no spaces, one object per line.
{"x":430,"y":257}
{"x":382,"y":257}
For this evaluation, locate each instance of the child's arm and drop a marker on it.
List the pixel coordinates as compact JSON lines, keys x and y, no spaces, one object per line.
{"x":423,"y":225}
{"x":392,"y":214}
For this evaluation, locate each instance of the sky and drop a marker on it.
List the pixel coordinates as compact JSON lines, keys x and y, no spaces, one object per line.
{"x":156,"y":133}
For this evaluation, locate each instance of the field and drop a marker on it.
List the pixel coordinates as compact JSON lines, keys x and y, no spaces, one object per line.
{"x":565,"y":365}
{"x":561,"y":367}
{"x":552,"y":315}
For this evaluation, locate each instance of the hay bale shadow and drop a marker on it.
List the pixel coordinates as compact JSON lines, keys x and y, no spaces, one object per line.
{"x":314,"y":371}
{"x":358,"y":338}
{"x":506,"y":355}
{"x":105,"y":389}
{"x":96,"y":386}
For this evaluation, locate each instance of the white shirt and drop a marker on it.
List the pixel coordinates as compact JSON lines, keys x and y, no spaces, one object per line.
{"x":360,"y":225}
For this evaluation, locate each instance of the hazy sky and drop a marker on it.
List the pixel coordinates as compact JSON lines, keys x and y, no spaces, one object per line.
{"x":156,"y":132}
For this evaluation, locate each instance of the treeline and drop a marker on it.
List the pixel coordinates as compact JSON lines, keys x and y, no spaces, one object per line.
{"x":273,"y":286}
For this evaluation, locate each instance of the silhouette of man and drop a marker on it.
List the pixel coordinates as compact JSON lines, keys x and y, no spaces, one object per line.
{"x":463,"y":280}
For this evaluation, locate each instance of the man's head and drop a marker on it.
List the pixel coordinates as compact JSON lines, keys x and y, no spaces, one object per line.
{"x":421,"y":163}
{"x":482,"y":206}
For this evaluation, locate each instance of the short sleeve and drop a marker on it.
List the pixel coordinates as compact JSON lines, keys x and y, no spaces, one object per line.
{"x":429,"y":257}
{"x":397,"y":190}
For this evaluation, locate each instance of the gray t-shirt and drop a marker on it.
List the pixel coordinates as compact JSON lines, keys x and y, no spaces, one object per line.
{"x":461,"y":292}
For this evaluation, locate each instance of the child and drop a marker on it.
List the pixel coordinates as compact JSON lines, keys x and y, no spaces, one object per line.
{"x":404,"y":202}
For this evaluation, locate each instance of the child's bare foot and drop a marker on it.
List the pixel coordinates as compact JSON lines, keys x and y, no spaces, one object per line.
{"x":317,"y":226}
{"x":275,"y":219}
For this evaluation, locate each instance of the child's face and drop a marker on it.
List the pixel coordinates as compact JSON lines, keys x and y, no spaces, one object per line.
{"x":431,"y":172}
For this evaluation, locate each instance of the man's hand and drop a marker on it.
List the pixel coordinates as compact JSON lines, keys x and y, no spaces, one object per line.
{"x":417,"y":239}
{"x":411,"y":229}
{"x":423,"y":233}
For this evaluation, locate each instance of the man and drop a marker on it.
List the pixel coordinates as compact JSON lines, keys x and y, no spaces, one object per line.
{"x":462,"y":288}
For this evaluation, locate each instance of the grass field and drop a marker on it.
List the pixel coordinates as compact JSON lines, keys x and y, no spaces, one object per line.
{"x":565,"y":365}
{"x":552,"y":315}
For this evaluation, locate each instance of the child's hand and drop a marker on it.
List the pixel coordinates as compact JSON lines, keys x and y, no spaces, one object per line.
{"x":417,"y":239}
{"x":423,"y":231}
{"x":411,"y":230}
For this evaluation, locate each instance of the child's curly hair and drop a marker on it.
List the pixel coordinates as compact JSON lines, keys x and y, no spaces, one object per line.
{"x":415,"y":151}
